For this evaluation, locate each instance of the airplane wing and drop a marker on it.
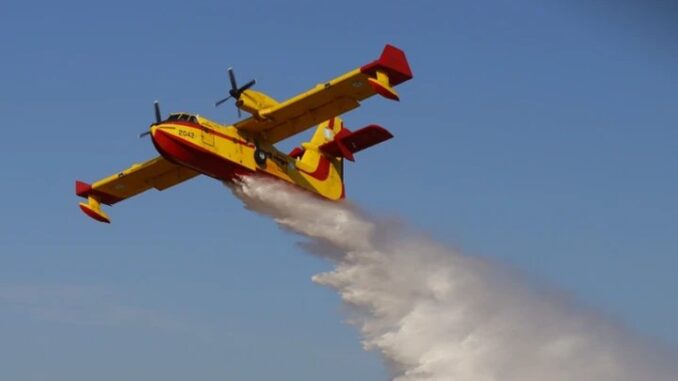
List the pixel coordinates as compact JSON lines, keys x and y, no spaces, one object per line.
{"x":278,"y":121}
{"x":157,"y":173}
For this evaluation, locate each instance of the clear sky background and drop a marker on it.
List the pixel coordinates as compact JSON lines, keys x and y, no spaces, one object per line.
{"x":540,"y":133}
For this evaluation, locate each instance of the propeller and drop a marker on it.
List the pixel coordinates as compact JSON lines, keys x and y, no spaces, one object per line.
{"x":235,"y":92}
{"x":158,"y":118}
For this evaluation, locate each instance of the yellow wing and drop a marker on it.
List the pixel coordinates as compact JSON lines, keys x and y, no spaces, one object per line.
{"x":157,"y":173}
{"x":274,"y":121}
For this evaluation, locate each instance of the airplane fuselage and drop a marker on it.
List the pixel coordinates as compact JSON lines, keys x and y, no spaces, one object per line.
{"x":224,"y":153}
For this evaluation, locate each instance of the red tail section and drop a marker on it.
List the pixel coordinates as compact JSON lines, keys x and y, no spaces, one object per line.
{"x":346,"y":143}
{"x":393,"y":62}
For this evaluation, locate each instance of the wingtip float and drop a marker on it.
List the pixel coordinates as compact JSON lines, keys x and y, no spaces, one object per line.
{"x":191,"y":145}
{"x":389,"y":70}
{"x":92,"y":207}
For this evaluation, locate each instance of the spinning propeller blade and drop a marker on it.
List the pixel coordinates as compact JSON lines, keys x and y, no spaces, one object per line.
{"x":158,"y":118}
{"x":234,"y":84}
{"x":222,"y":101}
{"x":246,"y":86}
{"x":235,"y":92}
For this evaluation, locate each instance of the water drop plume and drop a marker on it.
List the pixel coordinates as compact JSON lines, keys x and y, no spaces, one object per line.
{"x":436,"y":314}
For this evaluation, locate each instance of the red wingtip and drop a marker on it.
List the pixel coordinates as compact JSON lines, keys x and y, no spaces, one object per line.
{"x":394,"y":61}
{"x":82,"y":189}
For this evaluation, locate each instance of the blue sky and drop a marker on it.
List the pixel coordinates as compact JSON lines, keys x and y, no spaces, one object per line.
{"x":539,"y":133}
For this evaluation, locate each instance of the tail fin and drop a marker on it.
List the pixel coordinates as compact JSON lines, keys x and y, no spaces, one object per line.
{"x":310,"y":153}
{"x":332,"y":140}
{"x":323,"y":156}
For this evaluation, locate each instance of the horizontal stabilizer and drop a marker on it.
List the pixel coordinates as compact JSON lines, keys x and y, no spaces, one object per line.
{"x":346,"y":143}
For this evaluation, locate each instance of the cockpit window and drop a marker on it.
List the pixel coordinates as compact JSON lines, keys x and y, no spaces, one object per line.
{"x":183,"y":117}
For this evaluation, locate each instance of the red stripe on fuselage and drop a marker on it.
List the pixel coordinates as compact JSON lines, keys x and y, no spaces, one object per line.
{"x":322,"y":171}
{"x":183,"y":152}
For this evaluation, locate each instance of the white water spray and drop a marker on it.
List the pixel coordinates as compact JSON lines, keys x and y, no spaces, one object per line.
{"x":437,"y":315}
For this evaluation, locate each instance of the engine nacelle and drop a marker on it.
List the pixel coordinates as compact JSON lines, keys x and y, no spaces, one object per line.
{"x":254,"y":101}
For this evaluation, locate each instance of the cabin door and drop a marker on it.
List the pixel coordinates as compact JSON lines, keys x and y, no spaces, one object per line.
{"x":207,"y":137}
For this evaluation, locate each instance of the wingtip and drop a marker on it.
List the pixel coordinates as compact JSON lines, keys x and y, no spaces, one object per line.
{"x":82,"y":189}
{"x":394,"y":61}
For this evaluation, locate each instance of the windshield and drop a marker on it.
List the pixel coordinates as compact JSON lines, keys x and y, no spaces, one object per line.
{"x":183,"y":117}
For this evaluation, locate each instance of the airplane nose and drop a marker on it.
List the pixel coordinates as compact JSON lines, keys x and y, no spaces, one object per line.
{"x":150,"y":131}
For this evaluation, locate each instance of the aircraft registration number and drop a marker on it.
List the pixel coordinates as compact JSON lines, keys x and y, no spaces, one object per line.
{"x":187,"y":134}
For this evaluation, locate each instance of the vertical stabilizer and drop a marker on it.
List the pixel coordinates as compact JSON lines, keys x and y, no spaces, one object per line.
{"x":312,"y":155}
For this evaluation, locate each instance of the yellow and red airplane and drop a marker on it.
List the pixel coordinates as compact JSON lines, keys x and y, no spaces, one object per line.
{"x":190,"y":145}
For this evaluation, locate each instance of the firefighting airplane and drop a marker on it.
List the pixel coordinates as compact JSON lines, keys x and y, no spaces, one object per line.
{"x":190,"y":145}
